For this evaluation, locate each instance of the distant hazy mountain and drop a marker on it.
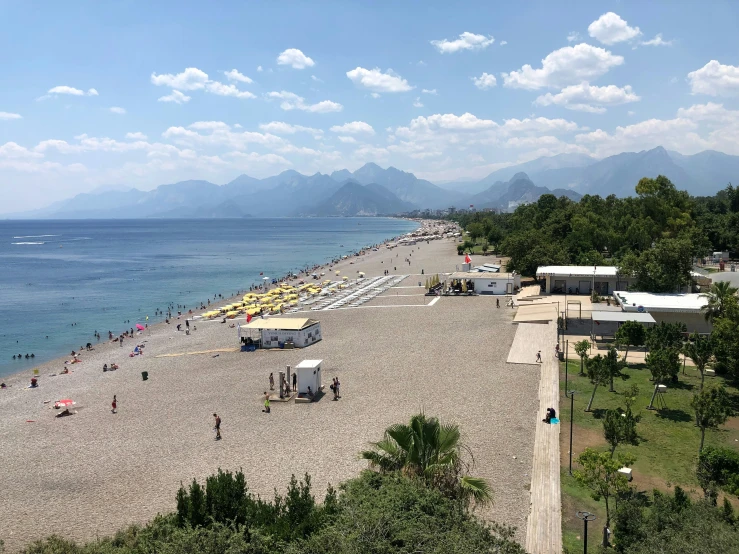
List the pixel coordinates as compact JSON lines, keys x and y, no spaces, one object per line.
{"x":353,"y":199}
{"x":533,"y":167}
{"x":407,"y":187}
{"x":519,"y":190}
{"x":700,"y":174}
{"x":291,"y":192}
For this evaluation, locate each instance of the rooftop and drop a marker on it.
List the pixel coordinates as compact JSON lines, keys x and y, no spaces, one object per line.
{"x":480,"y":275}
{"x":651,"y":302}
{"x":281,"y":323}
{"x":577,"y":271}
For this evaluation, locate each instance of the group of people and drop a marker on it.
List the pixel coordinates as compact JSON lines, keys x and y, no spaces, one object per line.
{"x":20,"y":356}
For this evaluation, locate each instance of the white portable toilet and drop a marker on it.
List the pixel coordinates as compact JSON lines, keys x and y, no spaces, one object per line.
{"x":309,"y":375}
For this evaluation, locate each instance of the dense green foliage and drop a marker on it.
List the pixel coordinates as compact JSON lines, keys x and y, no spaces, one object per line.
{"x":673,"y":524}
{"x":374,"y":513}
{"x":432,"y":451}
{"x":652,"y":236}
{"x":718,"y":468}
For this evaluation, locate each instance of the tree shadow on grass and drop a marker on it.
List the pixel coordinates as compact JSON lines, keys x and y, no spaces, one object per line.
{"x":680,"y":385}
{"x":674,"y":415}
{"x":598,"y":413}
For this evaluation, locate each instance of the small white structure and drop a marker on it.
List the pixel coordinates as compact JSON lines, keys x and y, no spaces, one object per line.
{"x":489,"y":268}
{"x":581,"y":279}
{"x":489,"y":283}
{"x":301,"y":332}
{"x":626,"y":472}
{"x":309,"y":375}
{"x":668,"y":308}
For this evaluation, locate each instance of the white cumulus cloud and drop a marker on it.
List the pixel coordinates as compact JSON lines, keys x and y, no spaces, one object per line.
{"x":63,"y":89}
{"x":609,"y":28}
{"x":715,"y":79}
{"x":573,"y":36}
{"x":485,"y":81}
{"x":347,"y":140}
{"x":175,"y":96}
{"x":417,"y":102}
{"x":377,"y":81}
{"x":190,"y":79}
{"x":429,"y":91}
{"x":118,"y":110}
{"x":563,"y":67}
{"x":291,"y":101}
{"x":236,"y":75}
{"x":7,"y":116}
{"x":503,"y":42}
{"x":295,"y":59}
{"x":222,"y":89}
{"x":353,"y":128}
{"x":587,"y":98}
{"x":282,"y":128}
{"x":466,"y":41}
{"x":136,"y":136}
{"x":657,"y":41}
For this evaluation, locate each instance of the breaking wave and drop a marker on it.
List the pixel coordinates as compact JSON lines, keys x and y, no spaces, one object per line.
{"x":33,"y":237}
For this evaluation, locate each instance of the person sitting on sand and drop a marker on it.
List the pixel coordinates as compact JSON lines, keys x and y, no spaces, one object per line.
{"x":105,"y":367}
{"x":34,"y":383}
{"x":113,"y":367}
{"x":65,"y":370}
{"x":309,"y":394}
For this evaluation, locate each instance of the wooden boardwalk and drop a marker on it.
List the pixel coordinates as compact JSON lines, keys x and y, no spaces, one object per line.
{"x":544,"y":526}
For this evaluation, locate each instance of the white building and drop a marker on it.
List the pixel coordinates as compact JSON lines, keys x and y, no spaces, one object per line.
{"x":668,"y":308}
{"x":488,"y":282}
{"x":301,"y":332}
{"x":581,"y":279}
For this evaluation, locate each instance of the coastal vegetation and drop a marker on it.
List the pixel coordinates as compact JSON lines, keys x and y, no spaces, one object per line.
{"x":653,"y":235}
{"x":419,"y":500}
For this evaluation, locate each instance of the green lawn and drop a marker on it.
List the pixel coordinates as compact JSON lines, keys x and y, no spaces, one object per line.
{"x":669,"y":440}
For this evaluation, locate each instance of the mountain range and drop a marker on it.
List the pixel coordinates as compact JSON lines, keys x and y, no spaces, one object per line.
{"x":372,"y":190}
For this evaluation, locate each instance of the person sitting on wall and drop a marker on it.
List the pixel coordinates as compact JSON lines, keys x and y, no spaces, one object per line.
{"x":551,"y":414}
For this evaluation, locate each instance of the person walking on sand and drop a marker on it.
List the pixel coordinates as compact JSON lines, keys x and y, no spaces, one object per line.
{"x":337,"y":386}
{"x":538,"y":357}
{"x":266,"y":403}
{"x":114,"y":405}
{"x":295,"y":381}
{"x":271,"y":381}
{"x":497,"y":302}
{"x":218,"y":426}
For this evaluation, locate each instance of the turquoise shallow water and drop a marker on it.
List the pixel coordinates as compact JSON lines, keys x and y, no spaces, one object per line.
{"x":68,"y":279}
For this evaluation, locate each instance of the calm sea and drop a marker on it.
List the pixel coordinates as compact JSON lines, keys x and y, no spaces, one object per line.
{"x":67,"y":279}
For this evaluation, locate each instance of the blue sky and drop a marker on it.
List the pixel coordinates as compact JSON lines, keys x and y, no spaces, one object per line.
{"x":144,"y":93}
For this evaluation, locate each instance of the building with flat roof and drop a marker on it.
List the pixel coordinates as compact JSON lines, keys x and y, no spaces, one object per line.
{"x":581,"y":279}
{"x":668,"y":308}
{"x":275,"y":332}
{"x":484,"y":282}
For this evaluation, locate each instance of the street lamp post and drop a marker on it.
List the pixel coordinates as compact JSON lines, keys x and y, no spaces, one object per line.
{"x":571,"y":395}
{"x":567,"y":358}
{"x":585,"y":517}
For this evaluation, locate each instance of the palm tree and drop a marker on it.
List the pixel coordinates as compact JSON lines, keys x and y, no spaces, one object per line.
{"x":699,"y":349}
{"x":429,"y":450}
{"x":717,"y":295}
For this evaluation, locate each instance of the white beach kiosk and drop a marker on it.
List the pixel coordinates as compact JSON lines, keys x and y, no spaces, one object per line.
{"x":309,"y":376}
{"x":281,"y":332}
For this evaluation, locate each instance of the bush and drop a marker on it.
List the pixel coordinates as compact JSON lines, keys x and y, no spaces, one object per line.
{"x":718,"y":467}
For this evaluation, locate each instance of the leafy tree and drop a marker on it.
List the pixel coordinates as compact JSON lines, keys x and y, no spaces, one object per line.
{"x":665,"y":336}
{"x":718,"y":468}
{"x":671,"y":524}
{"x":599,"y":474}
{"x":485,"y":247}
{"x":699,"y":349}
{"x":712,"y":408}
{"x":612,"y":366}
{"x":726,"y":346}
{"x":431,"y":451}
{"x":630,"y":333}
{"x":599,"y":374}
{"x":663,"y":364}
{"x":581,"y":348}
{"x":476,"y":230}
{"x":619,"y":428}
{"x":717,"y":299}
{"x":663,"y":268}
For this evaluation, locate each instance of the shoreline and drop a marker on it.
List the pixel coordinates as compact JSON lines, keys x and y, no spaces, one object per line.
{"x":13,"y":379}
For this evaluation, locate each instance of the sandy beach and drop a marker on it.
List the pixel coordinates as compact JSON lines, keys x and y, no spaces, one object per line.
{"x":94,"y":472}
